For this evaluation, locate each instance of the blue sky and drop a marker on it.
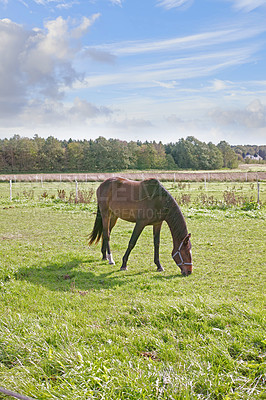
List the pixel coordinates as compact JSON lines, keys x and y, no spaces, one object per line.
{"x":134,"y":70}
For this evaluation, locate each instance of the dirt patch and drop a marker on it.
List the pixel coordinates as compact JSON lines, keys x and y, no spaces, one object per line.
{"x":11,"y":236}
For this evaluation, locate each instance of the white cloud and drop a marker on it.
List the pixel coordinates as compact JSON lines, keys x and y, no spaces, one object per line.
{"x":44,"y":2}
{"x":116,"y":2}
{"x":201,"y":40}
{"x":67,"y":5}
{"x":83,"y":110}
{"x":37,"y":62}
{"x":54,"y":113}
{"x":248,"y":5}
{"x":251,"y":117}
{"x":132,"y":123}
{"x":178,"y":69}
{"x":169,"y":4}
{"x":167,"y":85}
{"x":99,"y":55}
{"x":80,"y":30}
{"x":218,"y":85}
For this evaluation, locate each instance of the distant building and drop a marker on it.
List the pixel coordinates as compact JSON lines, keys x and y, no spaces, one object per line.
{"x":256,"y":157}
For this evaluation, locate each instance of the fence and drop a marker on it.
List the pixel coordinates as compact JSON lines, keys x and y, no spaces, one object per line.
{"x":209,"y":176}
{"x":73,"y":191}
{"x":84,"y":192}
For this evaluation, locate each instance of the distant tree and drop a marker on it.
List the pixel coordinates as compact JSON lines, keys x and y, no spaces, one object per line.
{"x":216,"y":157}
{"x":38,"y":154}
{"x":145,"y":156}
{"x":230,"y":159}
{"x":106,"y":155}
{"x":74,"y":156}
{"x":133,"y":148}
{"x":52,"y":155}
{"x":170,"y":162}
{"x":119,"y":156}
{"x":182,"y":153}
{"x":262,"y":153}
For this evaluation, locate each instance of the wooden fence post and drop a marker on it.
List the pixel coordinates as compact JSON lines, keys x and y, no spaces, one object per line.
{"x":76,"y":190}
{"x":10,"y":189}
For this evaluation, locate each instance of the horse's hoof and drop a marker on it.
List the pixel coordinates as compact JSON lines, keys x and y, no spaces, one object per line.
{"x":123,"y":268}
{"x":160,"y":269}
{"x":110,"y":259}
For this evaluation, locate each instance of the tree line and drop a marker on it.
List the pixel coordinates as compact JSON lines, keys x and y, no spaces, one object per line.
{"x":22,"y":154}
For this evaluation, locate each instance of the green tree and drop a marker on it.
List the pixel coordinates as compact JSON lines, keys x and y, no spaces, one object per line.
{"x":52,"y":155}
{"x":230,"y":159}
{"x":146,"y":156}
{"x":183,"y":154}
{"x":216,"y":157}
{"x":74,"y":156}
{"x":170,"y":162}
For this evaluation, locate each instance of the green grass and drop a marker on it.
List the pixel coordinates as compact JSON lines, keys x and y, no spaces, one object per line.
{"x":73,"y":327}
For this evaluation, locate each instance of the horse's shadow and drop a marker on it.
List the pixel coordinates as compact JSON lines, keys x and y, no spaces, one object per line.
{"x":77,"y":274}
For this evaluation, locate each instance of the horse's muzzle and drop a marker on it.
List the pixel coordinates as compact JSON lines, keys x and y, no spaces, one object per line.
{"x":186,"y":271}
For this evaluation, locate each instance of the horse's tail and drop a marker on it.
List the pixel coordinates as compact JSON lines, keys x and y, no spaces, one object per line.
{"x":97,"y":231}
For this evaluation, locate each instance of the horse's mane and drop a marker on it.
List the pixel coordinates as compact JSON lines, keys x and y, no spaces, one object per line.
{"x":152,"y":188}
{"x":175,"y":218}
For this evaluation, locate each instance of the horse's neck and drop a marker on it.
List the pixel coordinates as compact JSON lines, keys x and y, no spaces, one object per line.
{"x":176,"y":223}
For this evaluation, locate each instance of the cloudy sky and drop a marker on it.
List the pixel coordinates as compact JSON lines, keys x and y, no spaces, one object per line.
{"x":134,"y":69}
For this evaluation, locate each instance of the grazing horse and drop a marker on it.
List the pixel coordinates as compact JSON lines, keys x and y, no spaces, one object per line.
{"x":145,"y":203}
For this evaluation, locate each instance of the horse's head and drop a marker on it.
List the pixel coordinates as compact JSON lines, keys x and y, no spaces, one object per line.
{"x":183,"y":257}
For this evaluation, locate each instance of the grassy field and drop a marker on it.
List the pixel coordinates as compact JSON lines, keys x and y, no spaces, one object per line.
{"x":73,"y":327}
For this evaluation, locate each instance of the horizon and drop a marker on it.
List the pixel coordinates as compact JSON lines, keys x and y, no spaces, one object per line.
{"x":157,"y":70}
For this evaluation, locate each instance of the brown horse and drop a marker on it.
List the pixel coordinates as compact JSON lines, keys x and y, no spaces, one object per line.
{"x":145,"y":203}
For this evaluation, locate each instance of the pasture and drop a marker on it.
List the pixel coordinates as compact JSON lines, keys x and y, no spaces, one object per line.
{"x":74,"y":327}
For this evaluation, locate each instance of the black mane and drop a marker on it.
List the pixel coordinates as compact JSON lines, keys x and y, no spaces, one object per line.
{"x":175,"y":218}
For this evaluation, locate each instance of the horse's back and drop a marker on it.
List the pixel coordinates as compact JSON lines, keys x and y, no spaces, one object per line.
{"x":112,"y":185}
{"x":148,"y":188}
{"x":133,"y":200}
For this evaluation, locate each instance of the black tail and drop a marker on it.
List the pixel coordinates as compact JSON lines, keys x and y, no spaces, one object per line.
{"x":97,"y":231}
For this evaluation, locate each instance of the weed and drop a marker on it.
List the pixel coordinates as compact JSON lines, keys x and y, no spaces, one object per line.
{"x":184,"y":199}
{"x":28,"y":194}
{"x":82,"y":196}
{"x":44,"y":195}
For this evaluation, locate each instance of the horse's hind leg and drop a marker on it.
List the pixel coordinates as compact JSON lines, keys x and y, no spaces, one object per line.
{"x":103,"y":250}
{"x":156,"y":241}
{"x":108,"y":224}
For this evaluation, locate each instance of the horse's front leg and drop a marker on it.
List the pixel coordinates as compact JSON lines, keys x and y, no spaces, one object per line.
{"x":133,"y":240}
{"x":156,"y":241}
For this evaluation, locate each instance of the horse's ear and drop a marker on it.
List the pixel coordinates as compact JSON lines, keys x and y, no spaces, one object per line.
{"x":187,"y":238}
